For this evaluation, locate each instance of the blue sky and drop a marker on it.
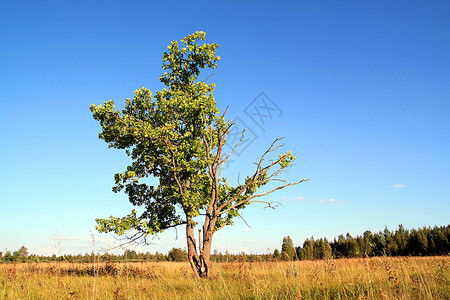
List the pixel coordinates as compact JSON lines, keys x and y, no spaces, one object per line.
{"x":362,"y":91}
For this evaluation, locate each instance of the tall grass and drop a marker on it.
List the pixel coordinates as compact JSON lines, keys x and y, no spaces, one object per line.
{"x":372,"y":278}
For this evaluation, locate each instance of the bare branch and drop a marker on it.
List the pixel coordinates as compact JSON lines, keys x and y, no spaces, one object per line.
{"x":206,"y":79}
{"x":257,"y":196}
{"x":131,"y":240}
{"x":240,"y":216}
{"x":271,"y":205}
{"x":235,"y":146}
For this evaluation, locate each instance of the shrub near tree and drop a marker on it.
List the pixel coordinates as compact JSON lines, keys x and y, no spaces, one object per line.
{"x":177,"y":137}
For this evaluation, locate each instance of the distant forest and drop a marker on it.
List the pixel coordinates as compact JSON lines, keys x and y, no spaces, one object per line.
{"x":424,"y":241}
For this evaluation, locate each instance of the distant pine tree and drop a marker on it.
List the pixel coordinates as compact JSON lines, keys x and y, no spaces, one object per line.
{"x":288,"y":249}
{"x":352,"y":246}
{"x":418,"y":243}
{"x":307,"y":251}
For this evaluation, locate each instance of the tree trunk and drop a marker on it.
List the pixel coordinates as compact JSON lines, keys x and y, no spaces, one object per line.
{"x":200,"y":261}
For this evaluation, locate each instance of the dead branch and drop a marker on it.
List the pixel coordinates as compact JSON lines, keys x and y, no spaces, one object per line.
{"x":257,"y":196}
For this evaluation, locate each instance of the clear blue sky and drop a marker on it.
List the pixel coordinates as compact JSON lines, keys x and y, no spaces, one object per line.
{"x":363,"y":89}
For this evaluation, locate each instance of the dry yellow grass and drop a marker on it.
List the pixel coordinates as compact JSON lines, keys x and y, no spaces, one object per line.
{"x":374,"y":278}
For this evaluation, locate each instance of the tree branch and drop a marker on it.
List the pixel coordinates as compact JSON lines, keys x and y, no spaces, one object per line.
{"x":206,"y":79}
{"x":259,"y":195}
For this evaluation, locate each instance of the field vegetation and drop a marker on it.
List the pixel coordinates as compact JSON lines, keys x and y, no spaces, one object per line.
{"x":357,"y":278}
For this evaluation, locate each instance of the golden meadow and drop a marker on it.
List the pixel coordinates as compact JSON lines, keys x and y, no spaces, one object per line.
{"x":358,"y":278}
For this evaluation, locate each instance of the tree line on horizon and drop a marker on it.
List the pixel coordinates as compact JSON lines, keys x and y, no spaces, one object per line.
{"x":424,"y":241}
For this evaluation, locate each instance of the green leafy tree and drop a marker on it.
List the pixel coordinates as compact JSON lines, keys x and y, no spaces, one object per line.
{"x":23,"y":253}
{"x":321,"y":249}
{"x":8,"y":256}
{"x":178,"y":136}
{"x":160,"y":257}
{"x":276,"y":254}
{"x":401,"y":238}
{"x":324,"y":250}
{"x":177,"y":254}
{"x":287,"y":249}
{"x":15,"y":256}
{"x":317,"y":249}
{"x":35,"y":259}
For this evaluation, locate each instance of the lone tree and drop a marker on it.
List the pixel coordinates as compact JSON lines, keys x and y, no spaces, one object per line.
{"x":178,"y":136}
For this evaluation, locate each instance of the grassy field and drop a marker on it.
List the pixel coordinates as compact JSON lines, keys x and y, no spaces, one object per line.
{"x":372,"y":278}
